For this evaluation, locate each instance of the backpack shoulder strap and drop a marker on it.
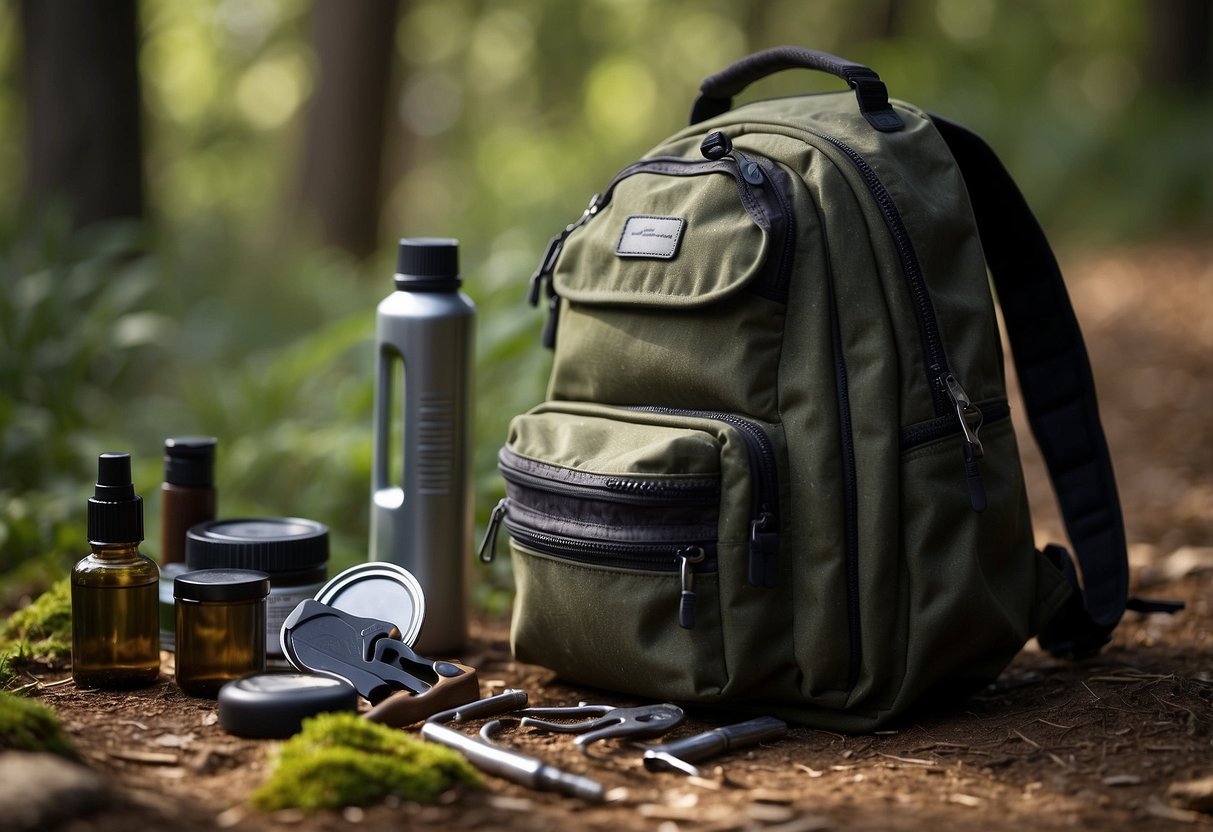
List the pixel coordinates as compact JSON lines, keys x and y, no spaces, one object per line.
{"x":1059,"y":393}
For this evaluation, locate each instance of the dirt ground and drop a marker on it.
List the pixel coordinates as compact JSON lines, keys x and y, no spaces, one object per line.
{"x":1099,"y":745}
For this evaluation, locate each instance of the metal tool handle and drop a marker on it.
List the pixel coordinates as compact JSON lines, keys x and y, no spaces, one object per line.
{"x":719,"y":740}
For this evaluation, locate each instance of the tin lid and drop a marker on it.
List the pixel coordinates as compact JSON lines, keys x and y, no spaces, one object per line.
{"x":274,"y":705}
{"x":221,"y":585}
{"x":270,"y":544}
{"x":380,"y":590}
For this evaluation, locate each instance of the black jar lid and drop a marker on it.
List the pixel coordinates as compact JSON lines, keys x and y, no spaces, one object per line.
{"x":270,"y":544}
{"x":274,"y":705}
{"x":223,"y":585}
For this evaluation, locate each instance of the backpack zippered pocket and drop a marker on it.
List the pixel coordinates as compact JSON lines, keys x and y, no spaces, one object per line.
{"x":632,"y":520}
{"x":681,"y":240}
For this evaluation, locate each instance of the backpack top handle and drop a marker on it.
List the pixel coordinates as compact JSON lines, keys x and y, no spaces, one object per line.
{"x":717,"y":91}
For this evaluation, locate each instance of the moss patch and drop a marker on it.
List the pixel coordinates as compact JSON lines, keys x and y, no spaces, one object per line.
{"x":40,"y":632}
{"x":26,"y":725}
{"x":341,"y":760}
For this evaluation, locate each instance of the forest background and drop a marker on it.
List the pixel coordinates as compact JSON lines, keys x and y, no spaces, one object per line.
{"x":199,"y":201}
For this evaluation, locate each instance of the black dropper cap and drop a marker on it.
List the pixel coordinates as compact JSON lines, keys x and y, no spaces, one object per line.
{"x":115,"y":511}
{"x":427,"y":264}
{"x":190,"y":460}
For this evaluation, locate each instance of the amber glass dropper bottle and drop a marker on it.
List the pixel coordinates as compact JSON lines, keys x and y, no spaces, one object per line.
{"x":115,"y":625}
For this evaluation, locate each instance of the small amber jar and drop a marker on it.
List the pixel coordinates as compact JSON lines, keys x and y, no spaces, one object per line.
{"x":220,"y":627}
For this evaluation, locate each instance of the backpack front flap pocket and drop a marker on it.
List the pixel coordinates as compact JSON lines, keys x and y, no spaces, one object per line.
{"x":634,"y":541}
{"x":678,"y":259}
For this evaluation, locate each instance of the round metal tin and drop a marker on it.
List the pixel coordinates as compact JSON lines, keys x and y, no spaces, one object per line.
{"x":274,"y":705}
{"x":381,"y":590}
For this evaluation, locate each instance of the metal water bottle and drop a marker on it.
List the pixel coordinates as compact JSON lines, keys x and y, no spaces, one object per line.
{"x":421,"y":489}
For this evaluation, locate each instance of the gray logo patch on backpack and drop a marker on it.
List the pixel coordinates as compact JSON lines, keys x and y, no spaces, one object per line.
{"x":655,"y":237}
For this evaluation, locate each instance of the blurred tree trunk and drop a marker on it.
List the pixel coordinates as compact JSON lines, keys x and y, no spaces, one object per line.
{"x":343,"y":145}
{"x":1181,"y":45}
{"x":81,"y":85}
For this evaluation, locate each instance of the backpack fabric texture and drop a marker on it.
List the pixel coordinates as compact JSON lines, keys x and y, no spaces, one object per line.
{"x":775,"y":470}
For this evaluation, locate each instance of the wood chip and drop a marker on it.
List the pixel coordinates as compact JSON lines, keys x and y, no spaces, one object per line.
{"x":231,"y":817}
{"x":772,"y":796}
{"x":511,"y":803}
{"x":1194,"y":795}
{"x":812,"y":772}
{"x":1122,"y":780}
{"x":913,"y":761}
{"x":658,"y":811}
{"x":964,"y":799}
{"x":174,"y":740}
{"x":1156,"y":808}
{"x":151,"y":757}
{"x":768,"y":813}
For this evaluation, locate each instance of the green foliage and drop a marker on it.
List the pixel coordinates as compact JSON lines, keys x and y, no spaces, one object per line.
{"x":341,"y":759}
{"x":26,"y":725}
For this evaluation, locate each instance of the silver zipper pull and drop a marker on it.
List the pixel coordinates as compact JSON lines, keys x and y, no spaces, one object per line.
{"x":968,"y":413}
{"x":686,"y":601}
{"x":970,"y":418}
{"x":488,"y":546}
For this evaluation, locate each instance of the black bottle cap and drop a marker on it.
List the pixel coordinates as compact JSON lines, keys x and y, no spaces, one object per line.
{"x":274,"y":705}
{"x":221,"y":585}
{"x":115,"y":511}
{"x":267,"y":544}
{"x":189,"y":460}
{"x":427,"y":264}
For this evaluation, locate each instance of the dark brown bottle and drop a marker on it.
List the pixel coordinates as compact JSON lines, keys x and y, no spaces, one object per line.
{"x":188,"y":493}
{"x":115,"y":627}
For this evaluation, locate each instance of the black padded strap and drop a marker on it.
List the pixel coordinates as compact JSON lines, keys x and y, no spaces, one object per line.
{"x":1058,"y":390}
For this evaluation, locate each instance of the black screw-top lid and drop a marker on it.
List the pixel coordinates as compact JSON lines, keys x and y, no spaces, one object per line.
{"x":221,"y":585}
{"x":115,"y":511}
{"x":189,"y":460}
{"x":267,"y":544}
{"x":427,"y":264}
{"x":274,"y":705}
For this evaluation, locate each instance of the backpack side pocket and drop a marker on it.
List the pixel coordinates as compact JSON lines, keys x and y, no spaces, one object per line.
{"x":631,"y":533}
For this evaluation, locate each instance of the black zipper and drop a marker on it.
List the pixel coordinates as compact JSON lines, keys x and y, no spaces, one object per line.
{"x":946,"y":390}
{"x":850,"y":498}
{"x":684,"y":559}
{"x":928,"y":326}
{"x":609,"y":487}
{"x":763,"y":566}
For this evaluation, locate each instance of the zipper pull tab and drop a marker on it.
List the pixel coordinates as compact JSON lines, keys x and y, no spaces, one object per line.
{"x":970,"y":418}
{"x":764,"y":549}
{"x":551,"y":254}
{"x":686,"y":600}
{"x":716,"y":145}
{"x":488,"y":546}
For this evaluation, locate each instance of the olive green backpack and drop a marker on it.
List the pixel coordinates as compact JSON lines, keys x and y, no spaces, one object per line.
{"x":775,"y":469}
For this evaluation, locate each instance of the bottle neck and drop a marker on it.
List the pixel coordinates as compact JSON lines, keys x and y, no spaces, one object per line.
{"x":116,"y":551}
